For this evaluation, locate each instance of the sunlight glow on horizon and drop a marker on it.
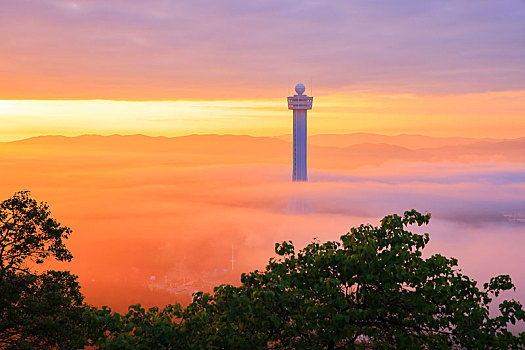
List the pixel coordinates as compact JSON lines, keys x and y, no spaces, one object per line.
{"x":490,"y":114}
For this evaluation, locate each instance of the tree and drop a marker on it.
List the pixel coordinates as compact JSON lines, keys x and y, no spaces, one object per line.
{"x":138,"y":329}
{"x":37,"y":310}
{"x":28,"y":233}
{"x":371,"y":289}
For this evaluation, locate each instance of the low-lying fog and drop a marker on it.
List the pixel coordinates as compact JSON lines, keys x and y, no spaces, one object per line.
{"x":156,"y":219}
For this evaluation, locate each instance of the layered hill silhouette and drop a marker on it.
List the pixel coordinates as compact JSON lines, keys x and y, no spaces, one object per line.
{"x":324,"y":151}
{"x":403,"y":140}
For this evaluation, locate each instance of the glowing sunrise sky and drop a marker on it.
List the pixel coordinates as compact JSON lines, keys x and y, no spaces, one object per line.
{"x":166,"y":67}
{"x":174,"y":207}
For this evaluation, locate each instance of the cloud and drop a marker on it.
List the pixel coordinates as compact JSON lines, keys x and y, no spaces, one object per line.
{"x":138,"y":209}
{"x":164,"y":49}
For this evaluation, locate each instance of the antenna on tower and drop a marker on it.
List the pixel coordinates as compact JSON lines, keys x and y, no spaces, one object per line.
{"x":233,"y":261}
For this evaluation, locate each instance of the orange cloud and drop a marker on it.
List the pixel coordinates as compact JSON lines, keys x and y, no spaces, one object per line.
{"x":155,"y":219}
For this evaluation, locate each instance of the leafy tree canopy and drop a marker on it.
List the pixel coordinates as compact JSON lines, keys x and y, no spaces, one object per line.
{"x":28,"y":234}
{"x":37,"y":310}
{"x":372,"y":288}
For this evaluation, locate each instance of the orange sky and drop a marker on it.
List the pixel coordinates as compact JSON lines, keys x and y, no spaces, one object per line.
{"x":490,"y":114}
{"x":155,"y":219}
{"x":172,"y":68}
{"x":236,"y":49}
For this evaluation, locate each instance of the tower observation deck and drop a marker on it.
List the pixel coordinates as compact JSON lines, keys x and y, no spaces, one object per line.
{"x":299,"y":103}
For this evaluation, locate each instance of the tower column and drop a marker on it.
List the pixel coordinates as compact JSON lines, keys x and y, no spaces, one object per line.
{"x":300,"y":104}
{"x":299,"y":145}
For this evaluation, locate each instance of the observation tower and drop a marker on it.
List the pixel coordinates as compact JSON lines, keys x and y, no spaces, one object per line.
{"x":299,"y":103}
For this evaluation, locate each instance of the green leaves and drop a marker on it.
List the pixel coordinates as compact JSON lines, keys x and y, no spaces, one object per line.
{"x":498,"y":283}
{"x":285,"y":248}
{"x":371,"y":289}
{"x":36,"y":310}
{"x":41,"y":311}
{"x":29,"y":233}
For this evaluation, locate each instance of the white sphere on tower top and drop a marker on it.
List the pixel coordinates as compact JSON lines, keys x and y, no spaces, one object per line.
{"x":299,"y":88}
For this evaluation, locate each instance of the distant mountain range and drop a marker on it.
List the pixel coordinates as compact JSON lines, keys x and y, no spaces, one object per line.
{"x":404,"y":140}
{"x":325,"y":151}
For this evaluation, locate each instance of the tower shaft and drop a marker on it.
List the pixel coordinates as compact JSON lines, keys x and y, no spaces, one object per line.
{"x":299,"y":104}
{"x":299,"y":145}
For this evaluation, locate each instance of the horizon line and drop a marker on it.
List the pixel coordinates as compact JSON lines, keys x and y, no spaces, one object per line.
{"x":256,"y":136}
